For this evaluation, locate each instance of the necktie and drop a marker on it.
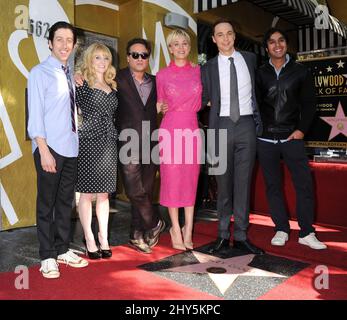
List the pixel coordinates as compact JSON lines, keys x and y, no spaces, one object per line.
{"x":234,"y":93}
{"x":72,"y":97}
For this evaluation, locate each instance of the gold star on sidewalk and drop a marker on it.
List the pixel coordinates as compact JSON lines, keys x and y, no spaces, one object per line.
{"x":223,"y":272}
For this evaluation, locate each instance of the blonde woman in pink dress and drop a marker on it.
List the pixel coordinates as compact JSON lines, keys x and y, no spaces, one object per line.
{"x":179,"y":95}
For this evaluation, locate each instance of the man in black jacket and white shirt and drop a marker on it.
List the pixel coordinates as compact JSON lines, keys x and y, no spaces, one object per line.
{"x":229,"y":85}
{"x":286,"y":99}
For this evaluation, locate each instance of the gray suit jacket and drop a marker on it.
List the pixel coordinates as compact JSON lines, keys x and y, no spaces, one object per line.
{"x":211,"y":89}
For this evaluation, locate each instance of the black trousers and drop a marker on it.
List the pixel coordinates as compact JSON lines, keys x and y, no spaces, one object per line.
{"x":294,"y":156}
{"x":138,"y":181}
{"x":55,"y":194}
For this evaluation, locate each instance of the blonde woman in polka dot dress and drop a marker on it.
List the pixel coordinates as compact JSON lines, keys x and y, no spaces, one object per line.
{"x":97,"y":159}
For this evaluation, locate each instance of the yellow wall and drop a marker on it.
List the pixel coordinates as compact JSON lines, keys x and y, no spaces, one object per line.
{"x":137,"y":17}
{"x":130,"y":25}
{"x":97,"y":19}
{"x":153,"y":25}
{"x":338,"y":8}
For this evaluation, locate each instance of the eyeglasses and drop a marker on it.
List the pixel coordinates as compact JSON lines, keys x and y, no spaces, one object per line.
{"x":136,"y":55}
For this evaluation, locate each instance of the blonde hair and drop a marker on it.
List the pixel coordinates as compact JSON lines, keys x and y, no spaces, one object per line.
{"x":86,"y":67}
{"x":174,"y":34}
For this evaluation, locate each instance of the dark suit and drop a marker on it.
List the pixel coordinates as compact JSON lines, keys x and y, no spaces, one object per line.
{"x":234,"y":184}
{"x":139,"y":175}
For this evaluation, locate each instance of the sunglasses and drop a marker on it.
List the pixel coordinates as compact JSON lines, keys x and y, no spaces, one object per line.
{"x":136,"y":55}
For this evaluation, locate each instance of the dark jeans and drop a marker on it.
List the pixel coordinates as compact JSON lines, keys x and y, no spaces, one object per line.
{"x":138,"y":181}
{"x":294,"y":156}
{"x":55,"y":194}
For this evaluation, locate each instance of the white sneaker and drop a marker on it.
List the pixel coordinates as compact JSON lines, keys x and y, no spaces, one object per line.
{"x":49,"y":269}
{"x":72,"y":260}
{"x":312,"y":242}
{"x":279,"y":239}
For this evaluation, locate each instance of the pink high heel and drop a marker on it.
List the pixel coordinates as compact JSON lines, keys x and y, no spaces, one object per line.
{"x":187,"y":244}
{"x":177,"y":242}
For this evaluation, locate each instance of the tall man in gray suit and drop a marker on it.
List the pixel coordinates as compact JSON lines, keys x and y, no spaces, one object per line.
{"x":228,"y":84}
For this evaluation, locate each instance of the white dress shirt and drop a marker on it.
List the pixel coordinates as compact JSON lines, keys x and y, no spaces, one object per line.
{"x":244,"y":84}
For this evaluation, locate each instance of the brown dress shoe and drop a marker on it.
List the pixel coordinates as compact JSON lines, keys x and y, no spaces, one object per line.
{"x":140,"y":245}
{"x":152,"y":236}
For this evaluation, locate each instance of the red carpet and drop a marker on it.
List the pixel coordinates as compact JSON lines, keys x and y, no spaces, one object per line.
{"x":118,"y":278}
{"x":302,"y":286}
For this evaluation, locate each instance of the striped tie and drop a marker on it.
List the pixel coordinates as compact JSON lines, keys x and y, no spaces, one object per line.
{"x":72,"y":97}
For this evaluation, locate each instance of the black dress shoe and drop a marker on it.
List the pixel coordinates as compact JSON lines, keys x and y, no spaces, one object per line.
{"x":219,"y":245}
{"x":94,"y":255}
{"x":105,"y":254}
{"x":246,"y":245}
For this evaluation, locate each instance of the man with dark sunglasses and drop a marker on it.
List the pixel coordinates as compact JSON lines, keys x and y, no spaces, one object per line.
{"x":137,"y":55}
{"x":137,"y":110}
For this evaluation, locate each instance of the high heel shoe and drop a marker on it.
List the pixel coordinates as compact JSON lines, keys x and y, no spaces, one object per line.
{"x":105,"y":253}
{"x":177,"y":243}
{"x":187,"y":244}
{"x":93,"y":255}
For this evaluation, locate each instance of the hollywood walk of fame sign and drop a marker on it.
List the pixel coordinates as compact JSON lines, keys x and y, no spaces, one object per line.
{"x":329,"y":128}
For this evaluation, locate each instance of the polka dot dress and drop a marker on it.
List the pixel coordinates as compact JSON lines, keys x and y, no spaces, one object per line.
{"x":97,"y":158}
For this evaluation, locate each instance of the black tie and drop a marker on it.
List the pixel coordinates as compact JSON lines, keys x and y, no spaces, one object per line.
{"x":234,"y":93}
{"x":72,"y":97}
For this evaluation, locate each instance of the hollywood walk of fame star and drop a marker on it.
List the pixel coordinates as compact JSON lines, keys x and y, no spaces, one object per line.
{"x":338,"y":123}
{"x":340,"y":64}
{"x":329,"y":69}
{"x":230,"y":268}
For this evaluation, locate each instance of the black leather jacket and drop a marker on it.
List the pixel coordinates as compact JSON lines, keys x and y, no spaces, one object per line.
{"x":287,"y":102}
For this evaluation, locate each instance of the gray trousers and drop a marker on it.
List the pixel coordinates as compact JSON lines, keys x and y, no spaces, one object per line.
{"x":234,"y":184}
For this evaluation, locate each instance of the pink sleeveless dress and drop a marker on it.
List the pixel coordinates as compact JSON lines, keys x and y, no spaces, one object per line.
{"x":179,"y":134}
